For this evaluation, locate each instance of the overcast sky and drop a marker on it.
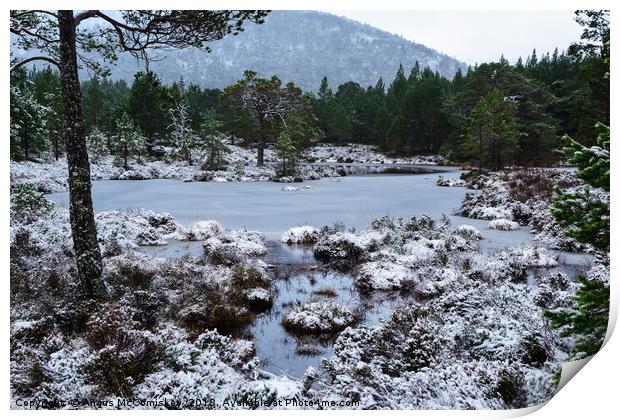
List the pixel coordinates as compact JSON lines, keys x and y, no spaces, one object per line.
{"x":477,"y":36}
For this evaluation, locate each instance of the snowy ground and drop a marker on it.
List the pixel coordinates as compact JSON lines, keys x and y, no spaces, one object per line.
{"x":473,"y":334}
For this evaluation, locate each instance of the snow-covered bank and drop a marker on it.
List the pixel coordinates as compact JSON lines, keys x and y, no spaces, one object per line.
{"x":51,"y":176}
{"x":362,"y":153}
{"x":523,"y":197}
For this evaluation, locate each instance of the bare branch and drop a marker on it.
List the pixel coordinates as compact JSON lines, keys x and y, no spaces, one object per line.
{"x":35,"y":58}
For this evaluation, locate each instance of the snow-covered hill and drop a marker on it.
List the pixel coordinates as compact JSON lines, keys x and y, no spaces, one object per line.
{"x":299,"y":46}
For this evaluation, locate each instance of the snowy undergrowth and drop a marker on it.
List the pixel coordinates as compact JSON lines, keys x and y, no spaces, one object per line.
{"x":474,"y":334}
{"x":161,"y":331}
{"x":523,"y":197}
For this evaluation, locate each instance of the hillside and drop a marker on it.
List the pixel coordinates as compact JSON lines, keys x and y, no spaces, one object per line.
{"x":299,"y":46}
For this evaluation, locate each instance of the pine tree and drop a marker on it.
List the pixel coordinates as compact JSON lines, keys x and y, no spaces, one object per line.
{"x":267,"y":103}
{"x":212,"y":140}
{"x":48,"y":93}
{"x":183,"y":139}
{"x":28,"y":129}
{"x":323,"y":107}
{"x":395,"y":102}
{"x":492,"y":136}
{"x":287,"y":152}
{"x":478,"y":133}
{"x":129,"y":141}
{"x":97,"y":144}
{"x":147,"y":104}
{"x":198,"y":100}
{"x":586,"y":219}
{"x":92,"y":102}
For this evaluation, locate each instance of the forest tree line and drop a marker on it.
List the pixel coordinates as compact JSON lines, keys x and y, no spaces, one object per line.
{"x":494,"y":114}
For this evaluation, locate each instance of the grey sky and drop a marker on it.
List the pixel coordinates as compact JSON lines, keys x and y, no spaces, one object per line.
{"x":477,"y":36}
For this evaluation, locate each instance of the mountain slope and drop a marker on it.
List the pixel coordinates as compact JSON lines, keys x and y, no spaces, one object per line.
{"x":298,"y":46}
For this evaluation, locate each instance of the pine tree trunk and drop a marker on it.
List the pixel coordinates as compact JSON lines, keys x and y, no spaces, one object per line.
{"x":56,"y":148}
{"x":83,"y":228}
{"x":260,"y":158}
{"x":25,"y":145}
{"x":480,"y":151}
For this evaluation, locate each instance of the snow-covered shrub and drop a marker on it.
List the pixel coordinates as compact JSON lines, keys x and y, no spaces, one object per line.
{"x":258,"y":298}
{"x":252,"y":396}
{"x":449,"y":182}
{"x":122,"y":354}
{"x":233,"y":246}
{"x":469,"y":232}
{"x":523,"y":197}
{"x":131,"y":271}
{"x":201,"y":230}
{"x":405,"y":342}
{"x":250,"y":286}
{"x":362,"y":153}
{"x":28,"y":204}
{"x":474,"y":179}
{"x":430,"y":281}
{"x":323,"y":316}
{"x":212,"y":311}
{"x":135,"y":227}
{"x":503,"y":224}
{"x":206,"y":369}
{"x":382,"y":275}
{"x":305,"y":235}
{"x":310,"y":376}
{"x":342,"y":250}
{"x":510,"y":385}
{"x":550,"y":233}
{"x":555,"y":291}
{"x":489,"y":204}
{"x":531,"y":184}
{"x":528,"y":256}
